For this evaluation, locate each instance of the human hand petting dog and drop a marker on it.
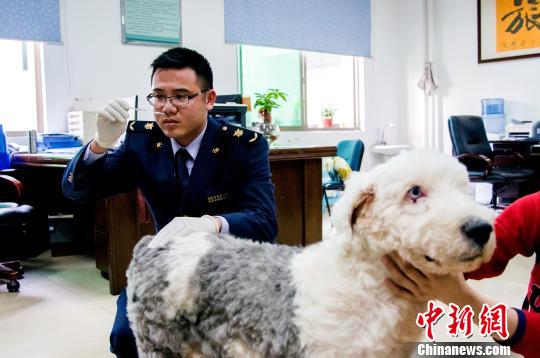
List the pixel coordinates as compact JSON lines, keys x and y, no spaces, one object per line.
{"x":185,"y":225}
{"x":406,"y":281}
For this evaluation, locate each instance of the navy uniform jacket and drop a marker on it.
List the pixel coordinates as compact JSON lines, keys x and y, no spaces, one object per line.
{"x":230,"y":177}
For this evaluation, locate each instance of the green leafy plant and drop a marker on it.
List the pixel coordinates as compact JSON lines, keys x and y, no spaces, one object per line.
{"x":328,"y":112}
{"x":267,"y":101}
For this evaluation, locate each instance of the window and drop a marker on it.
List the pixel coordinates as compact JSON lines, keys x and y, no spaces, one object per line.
{"x":20,"y":88}
{"x":312,"y":81}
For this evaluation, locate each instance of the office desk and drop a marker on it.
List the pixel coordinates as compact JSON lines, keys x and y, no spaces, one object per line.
{"x":41,"y":175}
{"x":118,"y":221}
{"x":508,"y":144}
{"x":532,"y":160}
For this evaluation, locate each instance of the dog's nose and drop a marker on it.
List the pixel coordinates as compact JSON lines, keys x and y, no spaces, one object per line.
{"x":477,"y":230}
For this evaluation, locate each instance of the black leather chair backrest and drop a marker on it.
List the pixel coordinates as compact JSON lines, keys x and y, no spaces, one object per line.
{"x":468,"y":135}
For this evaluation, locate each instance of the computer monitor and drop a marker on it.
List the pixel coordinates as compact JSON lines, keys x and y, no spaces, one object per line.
{"x":232,"y":113}
{"x":229,"y":98}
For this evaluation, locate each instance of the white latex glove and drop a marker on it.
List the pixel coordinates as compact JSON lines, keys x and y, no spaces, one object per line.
{"x":111,"y":121}
{"x":181,"y":226}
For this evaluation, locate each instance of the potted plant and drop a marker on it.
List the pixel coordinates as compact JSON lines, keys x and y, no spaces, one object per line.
{"x":327,"y":114}
{"x":267,"y":101}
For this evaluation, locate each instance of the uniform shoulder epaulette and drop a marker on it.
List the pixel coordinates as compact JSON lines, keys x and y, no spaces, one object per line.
{"x":143,"y":127}
{"x":240,"y":134}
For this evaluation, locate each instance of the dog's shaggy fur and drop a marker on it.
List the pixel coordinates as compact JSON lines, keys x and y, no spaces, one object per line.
{"x":216,"y":296}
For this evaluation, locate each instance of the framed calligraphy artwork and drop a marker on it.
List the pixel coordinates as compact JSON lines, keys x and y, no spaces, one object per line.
{"x":508,"y":29}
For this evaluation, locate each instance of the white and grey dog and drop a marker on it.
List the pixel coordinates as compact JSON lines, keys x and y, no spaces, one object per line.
{"x":220,"y":296}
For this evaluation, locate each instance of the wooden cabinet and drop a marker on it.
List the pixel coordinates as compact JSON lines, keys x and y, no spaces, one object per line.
{"x":117,"y":228}
{"x":297,"y":175}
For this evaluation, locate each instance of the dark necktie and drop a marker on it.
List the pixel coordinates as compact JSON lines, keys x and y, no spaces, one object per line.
{"x":181,"y":173}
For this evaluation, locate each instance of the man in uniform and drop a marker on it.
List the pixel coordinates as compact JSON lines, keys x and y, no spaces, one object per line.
{"x":195,"y":173}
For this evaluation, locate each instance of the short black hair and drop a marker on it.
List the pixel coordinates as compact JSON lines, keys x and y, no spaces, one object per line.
{"x":181,"y":57}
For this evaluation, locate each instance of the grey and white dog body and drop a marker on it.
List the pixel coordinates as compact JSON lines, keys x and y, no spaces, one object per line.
{"x":219,"y":296}
{"x":230,"y":288}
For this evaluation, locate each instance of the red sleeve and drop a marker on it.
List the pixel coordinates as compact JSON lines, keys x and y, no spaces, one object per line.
{"x":517,"y":231}
{"x":528,"y":346}
{"x":525,"y":339}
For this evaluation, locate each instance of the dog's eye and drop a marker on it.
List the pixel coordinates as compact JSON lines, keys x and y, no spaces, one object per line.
{"x":415,"y":193}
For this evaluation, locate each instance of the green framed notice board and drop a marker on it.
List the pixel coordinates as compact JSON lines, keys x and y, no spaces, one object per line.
{"x":155,"y":22}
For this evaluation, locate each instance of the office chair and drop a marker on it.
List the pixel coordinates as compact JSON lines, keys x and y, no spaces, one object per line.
{"x":352,"y":151}
{"x":14,"y":230}
{"x":471,"y":147}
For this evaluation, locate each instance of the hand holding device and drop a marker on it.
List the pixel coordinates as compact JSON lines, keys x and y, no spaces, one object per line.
{"x":111,"y":122}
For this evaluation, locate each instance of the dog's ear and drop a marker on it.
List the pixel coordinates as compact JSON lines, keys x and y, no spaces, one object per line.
{"x":362,"y":206}
{"x":356,"y":202}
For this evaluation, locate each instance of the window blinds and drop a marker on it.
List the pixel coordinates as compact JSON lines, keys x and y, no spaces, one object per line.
{"x":336,"y":26}
{"x":30,"y":20}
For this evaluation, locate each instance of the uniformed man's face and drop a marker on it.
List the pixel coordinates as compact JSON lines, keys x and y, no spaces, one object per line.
{"x":183,"y":123}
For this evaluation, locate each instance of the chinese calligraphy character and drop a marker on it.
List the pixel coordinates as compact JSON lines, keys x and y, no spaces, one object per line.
{"x":460,"y":320}
{"x":493,"y":320}
{"x":429,"y":318}
{"x":531,"y":20}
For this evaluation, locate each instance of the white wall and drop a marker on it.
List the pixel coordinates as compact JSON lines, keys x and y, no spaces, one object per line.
{"x":413,"y":53}
{"x":464,"y":82}
{"x":94,"y":66}
{"x":391,"y":90}
{"x":203,"y":29}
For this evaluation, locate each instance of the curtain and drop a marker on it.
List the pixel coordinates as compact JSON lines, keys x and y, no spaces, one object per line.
{"x":30,"y":20}
{"x":336,"y":26}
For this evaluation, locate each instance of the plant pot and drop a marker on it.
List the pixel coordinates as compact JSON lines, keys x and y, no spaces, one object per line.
{"x":265,"y":116}
{"x":268,"y":130}
{"x":327,"y":122}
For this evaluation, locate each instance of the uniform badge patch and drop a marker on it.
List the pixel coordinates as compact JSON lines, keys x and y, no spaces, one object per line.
{"x":254,"y":138}
{"x":238,"y":133}
{"x":217,"y":197}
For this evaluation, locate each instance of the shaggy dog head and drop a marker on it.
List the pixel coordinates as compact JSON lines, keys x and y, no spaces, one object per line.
{"x":420,"y":205}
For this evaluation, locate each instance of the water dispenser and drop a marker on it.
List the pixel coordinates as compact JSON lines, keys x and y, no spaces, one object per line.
{"x":493,"y":115}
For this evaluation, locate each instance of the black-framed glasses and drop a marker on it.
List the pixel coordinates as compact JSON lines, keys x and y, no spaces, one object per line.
{"x":178,"y":100}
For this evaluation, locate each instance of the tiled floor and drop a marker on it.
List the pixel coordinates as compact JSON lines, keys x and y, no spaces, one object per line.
{"x":64,"y":308}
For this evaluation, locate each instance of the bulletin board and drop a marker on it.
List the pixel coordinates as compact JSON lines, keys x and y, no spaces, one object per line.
{"x":155,"y":22}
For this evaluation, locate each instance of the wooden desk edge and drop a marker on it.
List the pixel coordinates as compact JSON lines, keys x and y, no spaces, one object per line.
{"x":56,"y":161}
{"x":301,"y":153}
